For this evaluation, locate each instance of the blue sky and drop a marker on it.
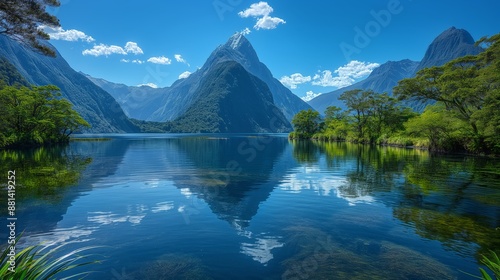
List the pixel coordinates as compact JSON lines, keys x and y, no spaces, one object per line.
{"x":313,"y":47}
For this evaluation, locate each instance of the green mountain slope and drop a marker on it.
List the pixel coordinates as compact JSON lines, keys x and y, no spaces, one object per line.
{"x":94,"y":104}
{"x":230,"y":99}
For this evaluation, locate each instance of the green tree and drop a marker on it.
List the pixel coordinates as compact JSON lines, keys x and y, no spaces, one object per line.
{"x":435,"y":124}
{"x":306,"y":122}
{"x":469,"y":87}
{"x":20,"y":19}
{"x":360,"y":103}
{"x":36,"y":116}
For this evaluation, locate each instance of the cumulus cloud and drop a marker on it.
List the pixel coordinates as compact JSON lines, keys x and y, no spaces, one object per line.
{"x":268,"y":22}
{"x":262,"y":12}
{"x":310,"y":95}
{"x":185,"y":75}
{"x":59,"y":33}
{"x":106,"y":50}
{"x":295,"y":79}
{"x":102,"y":49}
{"x":256,"y":10}
{"x":151,"y":85}
{"x":345,"y":75}
{"x":160,"y":60}
{"x":132,"y":47}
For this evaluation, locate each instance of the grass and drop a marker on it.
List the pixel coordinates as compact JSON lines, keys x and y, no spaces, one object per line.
{"x":492,"y":263}
{"x":39,"y":262}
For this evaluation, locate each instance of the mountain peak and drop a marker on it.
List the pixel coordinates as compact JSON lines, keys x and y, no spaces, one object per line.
{"x":237,"y":41}
{"x":450,"y":44}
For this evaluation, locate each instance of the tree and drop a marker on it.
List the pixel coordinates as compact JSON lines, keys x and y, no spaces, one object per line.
{"x":306,"y":122}
{"x":21,"y":19}
{"x":36,"y":116}
{"x":359,"y":102}
{"x":436,"y":125}
{"x":469,"y":87}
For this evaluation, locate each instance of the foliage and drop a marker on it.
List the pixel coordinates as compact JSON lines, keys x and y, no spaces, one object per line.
{"x":36,"y":116}
{"x":436,"y":124}
{"x":469,"y":88}
{"x":306,"y":122}
{"x":492,"y":263}
{"x":39,"y":262}
{"x":463,"y":116}
{"x":20,"y":19}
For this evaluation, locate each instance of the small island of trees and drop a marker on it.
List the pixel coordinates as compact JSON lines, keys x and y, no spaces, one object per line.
{"x":462,"y":112}
{"x":35,"y":116}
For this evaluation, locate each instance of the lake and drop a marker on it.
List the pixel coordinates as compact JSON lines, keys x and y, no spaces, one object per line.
{"x":236,"y":206}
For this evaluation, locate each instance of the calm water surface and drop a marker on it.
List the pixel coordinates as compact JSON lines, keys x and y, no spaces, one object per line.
{"x":258,"y":207}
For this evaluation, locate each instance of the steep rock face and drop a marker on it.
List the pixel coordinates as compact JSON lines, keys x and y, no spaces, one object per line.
{"x":239,"y":49}
{"x":94,"y":104}
{"x":230,"y":99}
{"x":381,"y":80}
{"x":452,"y":43}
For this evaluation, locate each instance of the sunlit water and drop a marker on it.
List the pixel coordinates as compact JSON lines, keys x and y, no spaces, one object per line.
{"x":254,"y":207}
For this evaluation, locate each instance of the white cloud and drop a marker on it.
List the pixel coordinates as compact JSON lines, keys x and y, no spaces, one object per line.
{"x":268,"y":22}
{"x":180,"y":59}
{"x":132,"y":47}
{"x":160,"y":60}
{"x":106,"y":50}
{"x":185,"y":75}
{"x":310,"y":95}
{"x":256,"y":10}
{"x":72,"y":35}
{"x":346,"y":75}
{"x":295,"y":79}
{"x":245,"y":31}
{"x":151,"y":85}
{"x":102,"y":49}
{"x":261,"y":11}
{"x":125,"y":60}
{"x":136,"y":61}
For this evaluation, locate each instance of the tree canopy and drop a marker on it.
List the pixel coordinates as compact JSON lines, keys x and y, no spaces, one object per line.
{"x":469,"y":87}
{"x":35,"y":116}
{"x":21,"y":19}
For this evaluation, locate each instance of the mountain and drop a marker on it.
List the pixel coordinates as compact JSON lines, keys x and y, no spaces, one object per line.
{"x":229,"y":99}
{"x":382,"y":79}
{"x":450,"y":44}
{"x":137,"y":102}
{"x":94,"y":104}
{"x":166,"y":104}
{"x":239,"y":49}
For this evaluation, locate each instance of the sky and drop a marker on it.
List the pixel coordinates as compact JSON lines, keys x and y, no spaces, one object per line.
{"x":312,"y":47}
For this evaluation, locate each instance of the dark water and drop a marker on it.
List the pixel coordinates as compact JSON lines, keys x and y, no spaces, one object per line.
{"x":254,"y":207}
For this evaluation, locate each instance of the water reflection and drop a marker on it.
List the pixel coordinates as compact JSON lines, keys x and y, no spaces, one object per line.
{"x":230,"y":174}
{"x":454,"y":200}
{"x":43,"y":180}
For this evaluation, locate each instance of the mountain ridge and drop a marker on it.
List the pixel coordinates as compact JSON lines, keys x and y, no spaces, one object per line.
{"x":94,"y":104}
{"x":448,"y":45}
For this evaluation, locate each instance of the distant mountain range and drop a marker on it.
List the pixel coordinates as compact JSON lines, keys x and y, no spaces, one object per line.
{"x":94,"y":104}
{"x":166,"y":104}
{"x":232,"y":92}
{"x":450,"y":44}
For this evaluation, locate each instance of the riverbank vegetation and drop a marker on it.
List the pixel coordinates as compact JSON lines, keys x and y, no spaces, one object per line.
{"x":36,"y":116}
{"x":462,"y":97}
